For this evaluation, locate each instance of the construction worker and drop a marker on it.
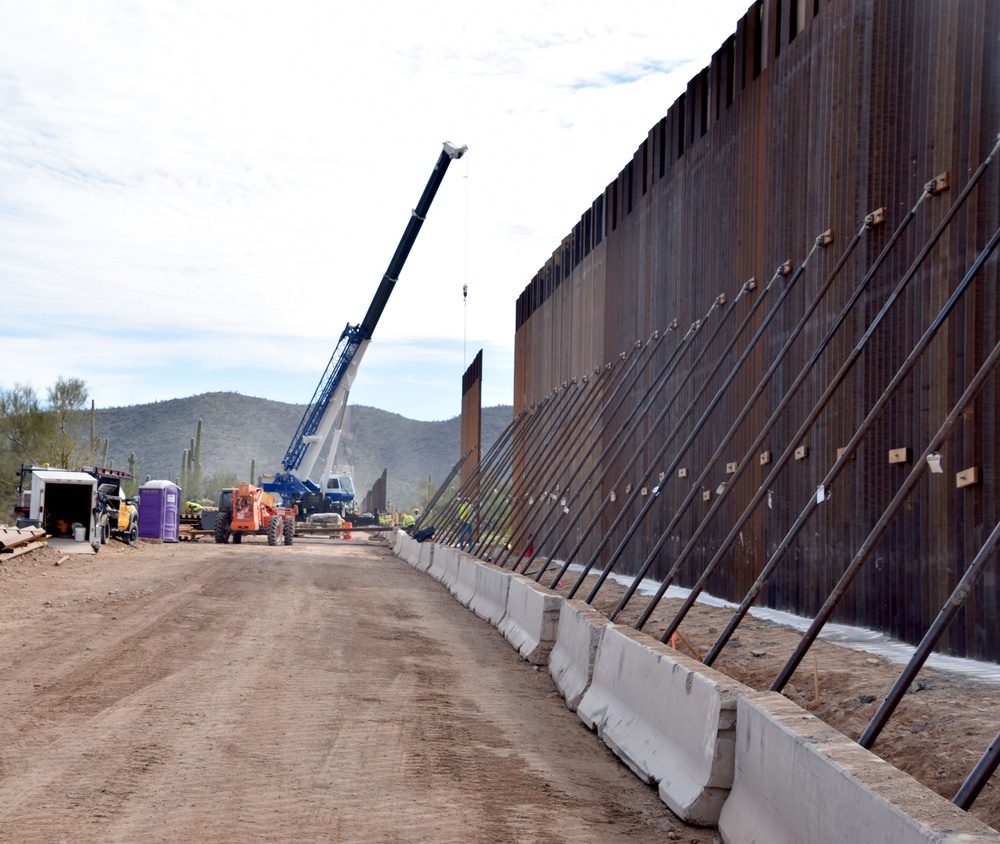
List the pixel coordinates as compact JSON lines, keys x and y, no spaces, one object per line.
{"x":407,"y":521}
{"x":466,"y":517}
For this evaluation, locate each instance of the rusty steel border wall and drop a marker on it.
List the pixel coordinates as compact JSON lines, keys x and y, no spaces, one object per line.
{"x":812,"y":116}
{"x":471,"y":435}
{"x":375,"y":499}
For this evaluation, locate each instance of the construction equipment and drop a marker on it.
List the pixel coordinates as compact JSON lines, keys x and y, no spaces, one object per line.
{"x":117,"y":515}
{"x":325,"y":413}
{"x":248,"y":509}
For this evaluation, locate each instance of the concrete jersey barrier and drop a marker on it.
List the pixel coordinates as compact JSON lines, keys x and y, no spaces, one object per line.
{"x":413,"y":549}
{"x":435,"y":564}
{"x":753,"y":763}
{"x":452,"y":561}
{"x":463,"y":587}
{"x":409,"y":549}
{"x":798,"y":779}
{"x":571,"y":662}
{"x":531,"y":619}
{"x":444,"y":566}
{"x":670,"y":719}
{"x":424,"y":554}
{"x":489,"y":601}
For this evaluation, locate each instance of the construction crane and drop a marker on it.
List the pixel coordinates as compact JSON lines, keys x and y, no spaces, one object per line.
{"x":325,"y":413}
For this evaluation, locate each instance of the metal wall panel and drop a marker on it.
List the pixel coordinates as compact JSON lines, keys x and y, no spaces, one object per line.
{"x":471,"y":435}
{"x":809,"y":118}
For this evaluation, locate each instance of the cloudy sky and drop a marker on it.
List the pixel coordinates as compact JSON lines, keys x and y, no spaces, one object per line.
{"x":199,"y":196}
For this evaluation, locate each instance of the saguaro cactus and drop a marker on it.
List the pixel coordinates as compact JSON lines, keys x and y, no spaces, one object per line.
{"x":196,"y":461}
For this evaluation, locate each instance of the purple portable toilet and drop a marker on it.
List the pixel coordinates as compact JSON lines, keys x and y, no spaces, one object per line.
{"x":160,"y":511}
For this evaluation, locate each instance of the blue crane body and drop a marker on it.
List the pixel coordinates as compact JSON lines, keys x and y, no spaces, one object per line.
{"x":325,"y":412}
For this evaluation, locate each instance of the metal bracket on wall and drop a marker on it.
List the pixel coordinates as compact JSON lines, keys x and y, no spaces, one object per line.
{"x":939,"y":183}
{"x":876,"y":218}
{"x":967,"y":477}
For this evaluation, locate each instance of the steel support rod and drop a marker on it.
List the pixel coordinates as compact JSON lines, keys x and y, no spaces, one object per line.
{"x":668,"y":441}
{"x":689,"y":441}
{"x":947,"y":614}
{"x":533,"y":439}
{"x":734,"y":428}
{"x":870,"y":419}
{"x":765,"y":431}
{"x":930,"y":189}
{"x":485,"y":508}
{"x":569,"y":441}
{"x":525,"y":420}
{"x":625,"y":434}
{"x":870,"y":543}
{"x":440,"y":490}
{"x":980,"y":775}
{"x":615,"y":442}
{"x":499,"y":446}
{"x":572,"y":457}
{"x":493,"y":472}
{"x":617,"y":398}
{"x":541,"y":446}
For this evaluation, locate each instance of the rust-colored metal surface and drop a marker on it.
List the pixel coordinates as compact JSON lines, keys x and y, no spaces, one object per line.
{"x":472,"y":413}
{"x":811,"y":117}
{"x":375,"y":499}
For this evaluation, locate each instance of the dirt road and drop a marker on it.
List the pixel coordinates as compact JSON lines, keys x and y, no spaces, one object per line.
{"x":320,"y":692}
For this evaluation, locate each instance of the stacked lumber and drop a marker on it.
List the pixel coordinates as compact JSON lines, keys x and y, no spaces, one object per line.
{"x":15,"y":541}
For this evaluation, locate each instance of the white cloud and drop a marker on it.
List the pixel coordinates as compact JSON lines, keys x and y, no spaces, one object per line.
{"x":219,"y":186}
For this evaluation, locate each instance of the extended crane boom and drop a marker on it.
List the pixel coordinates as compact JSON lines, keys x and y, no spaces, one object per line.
{"x":326,"y":409}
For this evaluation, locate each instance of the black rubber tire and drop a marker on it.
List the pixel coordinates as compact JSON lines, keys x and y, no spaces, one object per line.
{"x":222,"y":531}
{"x":133,"y":532}
{"x":237,"y":537}
{"x":289,"y":531}
{"x":104,"y":529}
{"x":274,"y":528}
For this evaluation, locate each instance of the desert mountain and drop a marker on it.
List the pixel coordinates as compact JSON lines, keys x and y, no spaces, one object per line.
{"x":238,"y":429}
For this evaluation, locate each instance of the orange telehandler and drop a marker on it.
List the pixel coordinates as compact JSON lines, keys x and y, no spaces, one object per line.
{"x":248,"y":509}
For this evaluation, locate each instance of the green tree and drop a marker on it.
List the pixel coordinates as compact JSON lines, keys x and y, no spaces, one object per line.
{"x":67,"y":399}
{"x":24,"y":424}
{"x":36,"y":434}
{"x":425,"y":492}
{"x":212,"y":486}
{"x":24,"y":428}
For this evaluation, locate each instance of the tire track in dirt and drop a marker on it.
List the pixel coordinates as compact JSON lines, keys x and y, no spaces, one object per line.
{"x":97,"y":722}
{"x":323,"y":692}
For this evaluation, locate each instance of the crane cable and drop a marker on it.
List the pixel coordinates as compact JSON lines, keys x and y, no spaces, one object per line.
{"x":465,"y":276}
